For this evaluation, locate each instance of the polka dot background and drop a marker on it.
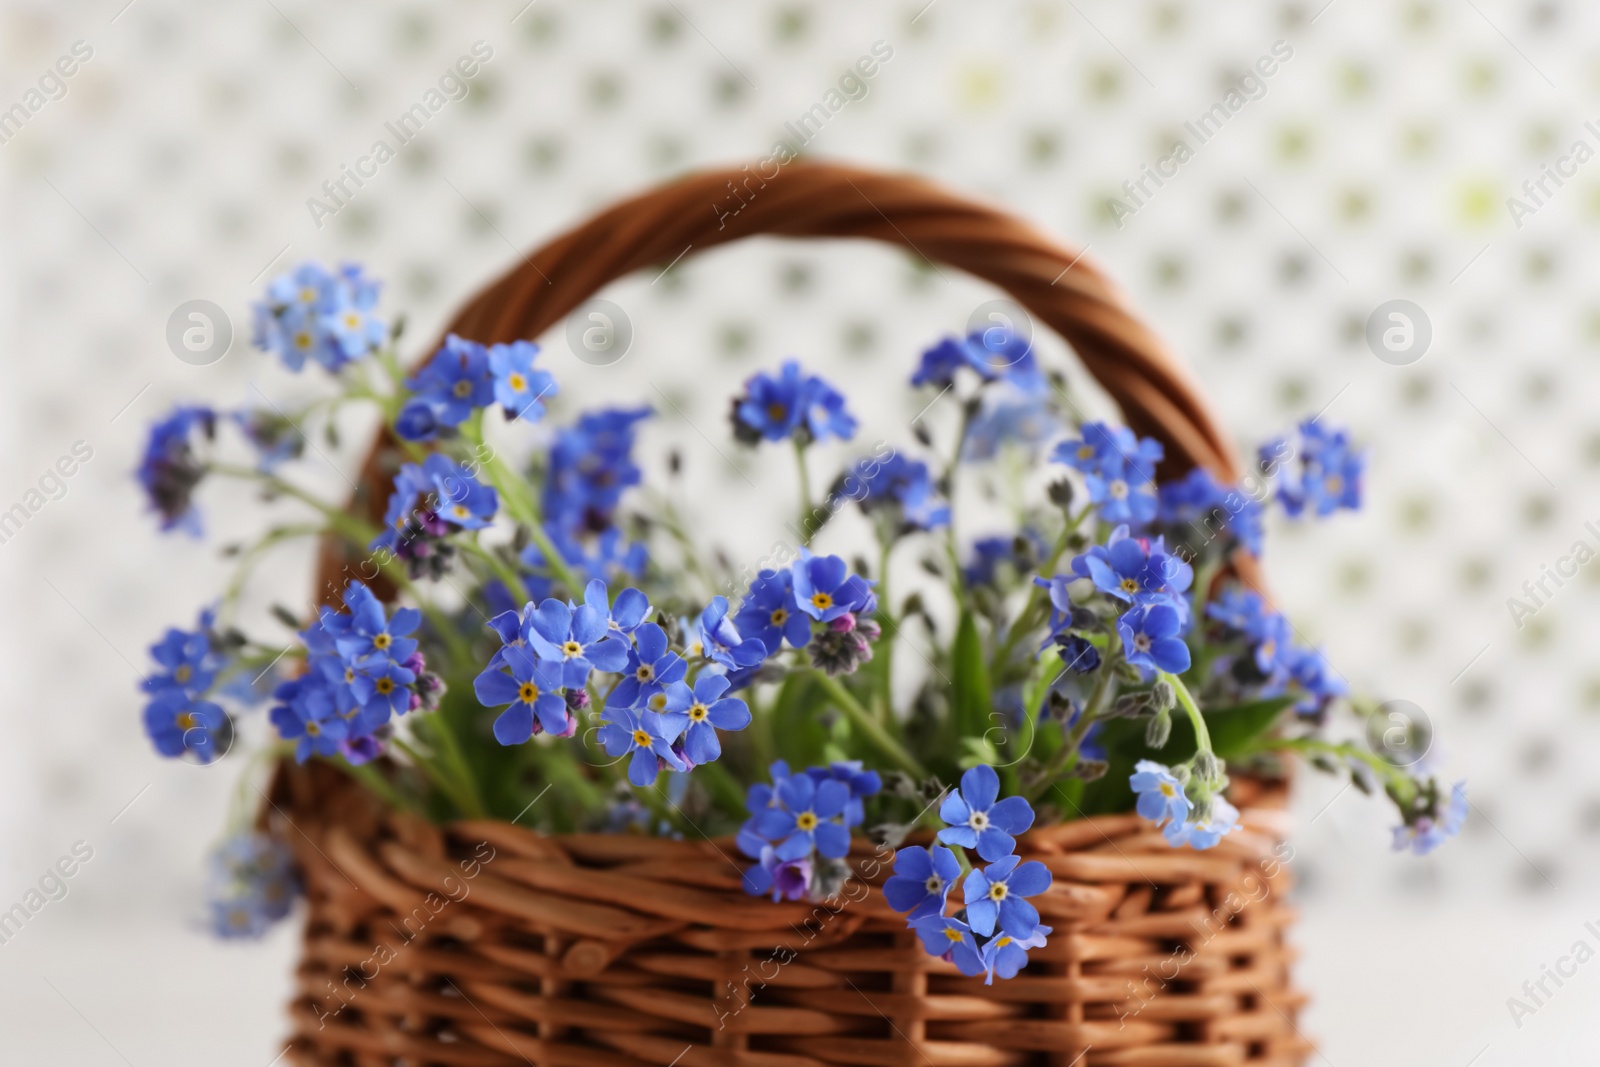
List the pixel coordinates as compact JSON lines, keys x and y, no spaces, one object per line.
{"x":1374,"y":163}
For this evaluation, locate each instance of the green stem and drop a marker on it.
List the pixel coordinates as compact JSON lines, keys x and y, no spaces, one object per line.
{"x":248,"y":788}
{"x":891,"y":628}
{"x":430,"y":767}
{"x":1202,"y":736}
{"x":805,"y":489}
{"x":863,"y":721}
{"x":1104,"y":689}
{"x":373,"y":779}
{"x":1397,"y":779}
{"x":555,"y":562}
{"x":760,"y":732}
{"x":1204,"y":576}
{"x":459,"y":648}
{"x":458,"y":760}
{"x":1030,"y":615}
{"x":361,"y":534}
{"x":252,"y":555}
{"x":389,"y":360}
{"x":340,"y":520}
{"x":952,"y":553}
{"x":655,"y":798}
{"x":521,"y":506}
{"x":954,"y":460}
{"x":671,"y":520}
{"x":951,"y":542}
{"x":498,"y":566}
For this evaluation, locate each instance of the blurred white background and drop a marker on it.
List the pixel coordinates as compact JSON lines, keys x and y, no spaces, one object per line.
{"x":1375,"y":166}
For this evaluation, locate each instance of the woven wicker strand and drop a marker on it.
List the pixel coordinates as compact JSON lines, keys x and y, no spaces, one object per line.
{"x":487,"y":944}
{"x":1062,"y":288}
{"x":483,"y":944}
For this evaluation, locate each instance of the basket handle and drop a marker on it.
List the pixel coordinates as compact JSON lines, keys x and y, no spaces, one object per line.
{"x":1064,"y":290}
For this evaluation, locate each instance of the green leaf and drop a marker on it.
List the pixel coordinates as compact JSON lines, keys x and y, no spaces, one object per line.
{"x":1045,"y":673}
{"x":724,"y":790}
{"x":1068,"y":796}
{"x":1234,"y":729}
{"x":976,"y":750}
{"x":799,"y":734}
{"x":973,"y":704}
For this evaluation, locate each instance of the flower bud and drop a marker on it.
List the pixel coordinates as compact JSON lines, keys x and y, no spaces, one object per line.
{"x":1059,"y":706}
{"x":1084,"y":618}
{"x":1090,"y":769}
{"x":1158,"y":730}
{"x":1129,"y":706}
{"x":429,"y":689}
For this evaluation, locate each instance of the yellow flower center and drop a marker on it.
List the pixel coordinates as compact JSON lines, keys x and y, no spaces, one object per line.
{"x":952,"y":934}
{"x":1334,"y":484}
{"x":779,"y":616}
{"x":642,"y":738}
{"x":185,"y":721}
{"x":698,"y":712}
{"x":462,"y":389}
{"x":645,"y":672}
{"x":806,"y":820}
{"x":997,"y":891}
{"x":308,"y":295}
{"x":1118,"y":489}
{"x":313,"y":729}
{"x":821,"y":601}
{"x":1167,"y":789}
{"x":1002,"y":941}
{"x":571,"y":648}
{"x":527,"y":692}
{"x":517,"y":382}
{"x":352,"y":320}
{"x":1085,"y":451}
{"x":183,"y":673}
{"x":349,"y":675}
{"x":776,"y":411}
{"x":382,"y":641}
{"x":1129,"y":585}
{"x":302,"y":340}
{"x":658,"y":702}
{"x":384,"y":685}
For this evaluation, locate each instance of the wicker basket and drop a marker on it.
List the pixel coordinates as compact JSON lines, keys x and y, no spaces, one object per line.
{"x":483,"y":944}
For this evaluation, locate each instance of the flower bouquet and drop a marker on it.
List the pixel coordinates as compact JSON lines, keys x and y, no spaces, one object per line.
{"x":533,"y":635}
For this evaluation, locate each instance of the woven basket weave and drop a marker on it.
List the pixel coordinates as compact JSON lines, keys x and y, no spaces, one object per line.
{"x":483,"y":944}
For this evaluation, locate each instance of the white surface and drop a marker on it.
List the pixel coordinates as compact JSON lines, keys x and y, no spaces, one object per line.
{"x":1424,"y":984}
